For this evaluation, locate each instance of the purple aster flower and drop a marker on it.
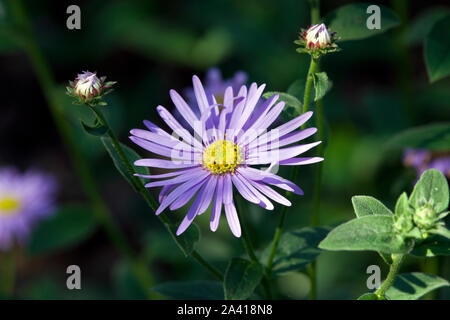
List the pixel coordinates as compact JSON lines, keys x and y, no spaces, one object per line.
{"x":421,"y":160}
{"x":222,"y":148}
{"x":25,"y":199}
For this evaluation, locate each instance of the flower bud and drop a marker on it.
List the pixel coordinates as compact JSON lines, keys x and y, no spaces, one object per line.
{"x":87,"y":85}
{"x":317,"y":40}
{"x":317,"y":36}
{"x":425,"y":217}
{"x":88,"y":88}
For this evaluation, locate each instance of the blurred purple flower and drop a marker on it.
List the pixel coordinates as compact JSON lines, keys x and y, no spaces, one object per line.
{"x":227,"y":142}
{"x":25,"y":199}
{"x":215,"y":86}
{"x":422,"y":160}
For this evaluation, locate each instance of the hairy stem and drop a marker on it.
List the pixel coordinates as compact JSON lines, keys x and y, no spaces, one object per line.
{"x":397,"y":260}
{"x":43,"y":74}
{"x":143,"y":191}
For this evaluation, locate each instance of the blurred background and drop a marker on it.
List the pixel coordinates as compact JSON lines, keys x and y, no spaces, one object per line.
{"x":380,"y":87}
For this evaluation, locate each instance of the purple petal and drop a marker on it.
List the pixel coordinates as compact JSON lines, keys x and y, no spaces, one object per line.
{"x":300,"y":161}
{"x":163,"y":140}
{"x":165,"y":164}
{"x":270,"y":178}
{"x":262,"y":124}
{"x":200,"y":94}
{"x":155,"y":129}
{"x":266,"y":139}
{"x":172,"y":153}
{"x":262,"y":200}
{"x":233,"y":220}
{"x":179,"y":190}
{"x":272,"y":194}
{"x":185,"y":197}
{"x":252,"y":100}
{"x":170,"y":120}
{"x":183,"y":108}
{"x":165,"y":190}
{"x":278,"y":155}
{"x":188,"y":175}
{"x":243,"y":190}
{"x":227,"y":189}
{"x":217,"y":205}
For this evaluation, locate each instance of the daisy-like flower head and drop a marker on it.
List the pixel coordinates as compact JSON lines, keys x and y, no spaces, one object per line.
{"x":222,"y":148}
{"x":25,"y":199}
{"x":88,"y":88}
{"x":317,"y":40}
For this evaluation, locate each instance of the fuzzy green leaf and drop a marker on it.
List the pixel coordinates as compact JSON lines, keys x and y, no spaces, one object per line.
{"x":431,"y":189}
{"x":367,"y":205}
{"x":241,"y":279}
{"x":188,"y":239}
{"x":437,"y":50}
{"x":321,"y":85}
{"x":366,"y":233}
{"x":96,"y":130}
{"x":296,"y":249}
{"x":431,"y":137}
{"x":130,"y":154}
{"x":412,"y":286}
{"x":423,"y":23}
{"x":349,"y":21}
{"x":288,"y":99}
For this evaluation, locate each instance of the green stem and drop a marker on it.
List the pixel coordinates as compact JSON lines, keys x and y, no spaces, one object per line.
{"x":397,"y":260}
{"x":251,"y":254}
{"x":307,"y":93}
{"x":313,"y":68}
{"x":43,"y":74}
{"x":141,"y":188}
{"x":205,"y":264}
{"x":309,"y":82}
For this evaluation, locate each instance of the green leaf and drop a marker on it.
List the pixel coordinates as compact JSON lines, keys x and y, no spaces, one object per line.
{"x":321,"y":85}
{"x":370,"y":296}
{"x":241,"y":279}
{"x":96,"y":130}
{"x":185,"y":241}
{"x":130,"y":154}
{"x":431,"y":189}
{"x":296,"y":249}
{"x":191,"y":290}
{"x":422,"y":25}
{"x":431,"y":137}
{"x":366,"y":233}
{"x":367,"y":205}
{"x":432,"y":246}
{"x":437,"y":50}
{"x":70,"y":226}
{"x":412,"y":286}
{"x":402,"y":206}
{"x":442,"y":231}
{"x":288,"y":99}
{"x":349,"y":21}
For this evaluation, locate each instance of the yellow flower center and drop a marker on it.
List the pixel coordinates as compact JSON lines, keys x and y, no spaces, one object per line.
{"x":222,"y":157}
{"x":8,"y":205}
